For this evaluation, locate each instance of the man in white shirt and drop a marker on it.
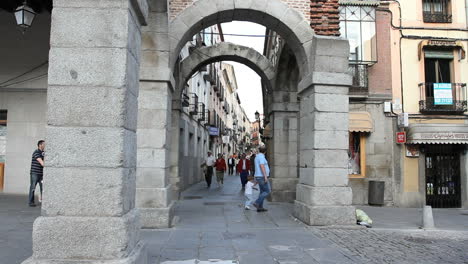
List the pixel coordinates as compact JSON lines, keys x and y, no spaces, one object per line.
{"x":209,"y":163}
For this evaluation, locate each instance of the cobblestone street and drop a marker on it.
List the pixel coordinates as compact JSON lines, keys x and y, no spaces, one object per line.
{"x":213,"y":227}
{"x":383,"y":246}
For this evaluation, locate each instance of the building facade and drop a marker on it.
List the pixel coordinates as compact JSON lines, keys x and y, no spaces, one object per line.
{"x":430,"y":66}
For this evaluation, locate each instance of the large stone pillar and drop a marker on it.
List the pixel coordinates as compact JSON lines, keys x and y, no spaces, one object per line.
{"x":89,"y":213}
{"x":154,"y":192}
{"x":323,"y":195}
{"x":284,"y":154}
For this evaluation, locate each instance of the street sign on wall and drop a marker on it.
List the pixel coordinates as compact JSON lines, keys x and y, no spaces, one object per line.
{"x":401,"y":137}
{"x":213,"y":131}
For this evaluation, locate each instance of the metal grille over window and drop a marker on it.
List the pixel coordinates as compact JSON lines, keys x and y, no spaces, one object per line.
{"x":437,"y":11}
{"x":360,"y":78}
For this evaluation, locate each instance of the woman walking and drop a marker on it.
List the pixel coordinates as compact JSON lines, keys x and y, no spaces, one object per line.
{"x":243,"y":168}
{"x":220,"y":169}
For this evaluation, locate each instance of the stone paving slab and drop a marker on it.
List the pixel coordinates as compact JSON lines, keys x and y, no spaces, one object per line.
{"x":213,"y":227}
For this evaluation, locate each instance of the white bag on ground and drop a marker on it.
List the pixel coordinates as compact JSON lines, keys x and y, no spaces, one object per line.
{"x":362,"y":217}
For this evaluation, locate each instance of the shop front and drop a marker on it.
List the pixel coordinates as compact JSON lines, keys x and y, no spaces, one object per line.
{"x":440,"y":152}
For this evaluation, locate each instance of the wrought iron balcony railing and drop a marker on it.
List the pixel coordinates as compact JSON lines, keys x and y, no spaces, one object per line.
{"x":442,"y":98}
{"x":360,"y":75}
{"x":437,"y":17}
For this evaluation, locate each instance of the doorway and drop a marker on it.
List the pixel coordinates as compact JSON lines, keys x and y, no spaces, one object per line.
{"x":443,"y":181}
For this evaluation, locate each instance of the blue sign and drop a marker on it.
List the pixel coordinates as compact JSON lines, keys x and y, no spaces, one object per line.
{"x":213,"y":131}
{"x":443,"y":94}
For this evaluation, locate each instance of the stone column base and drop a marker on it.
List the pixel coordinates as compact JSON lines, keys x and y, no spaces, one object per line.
{"x":283,"y":189}
{"x":153,"y":218}
{"x":325,"y":215}
{"x":139,"y":255}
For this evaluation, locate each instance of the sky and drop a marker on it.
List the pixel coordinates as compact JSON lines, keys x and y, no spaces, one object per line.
{"x":248,"y":82}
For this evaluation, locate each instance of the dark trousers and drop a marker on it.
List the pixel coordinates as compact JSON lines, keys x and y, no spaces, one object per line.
{"x":35,"y":179}
{"x":231,"y":169}
{"x":243,"y":177}
{"x":208,"y":175}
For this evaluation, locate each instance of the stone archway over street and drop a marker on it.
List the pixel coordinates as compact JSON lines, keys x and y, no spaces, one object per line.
{"x":91,"y":197}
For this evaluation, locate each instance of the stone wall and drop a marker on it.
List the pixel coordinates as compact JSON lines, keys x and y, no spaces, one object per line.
{"x":177,"y":6}
{"x":379,"y":153}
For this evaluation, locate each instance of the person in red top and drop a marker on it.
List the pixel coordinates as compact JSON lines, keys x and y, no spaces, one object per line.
{"x":243,"y":168}
{"x":220,"y":166}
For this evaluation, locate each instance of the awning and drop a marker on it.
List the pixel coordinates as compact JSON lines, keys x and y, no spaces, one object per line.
{"x":437,"y":134}
{"x":359,"y":2}
{"x":425,"y":46}
{"x":360,"y":122}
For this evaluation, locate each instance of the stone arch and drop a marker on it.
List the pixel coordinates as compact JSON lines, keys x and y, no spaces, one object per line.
{"x":226,"y":51}
{"x":273,"y":14}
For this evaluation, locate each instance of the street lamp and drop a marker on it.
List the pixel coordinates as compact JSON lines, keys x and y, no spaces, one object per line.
{"x":24,"y":16}
{"x":257,"y":115}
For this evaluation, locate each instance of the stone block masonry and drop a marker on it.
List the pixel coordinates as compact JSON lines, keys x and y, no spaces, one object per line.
{"x":95,"y":219}
{"x":303,"y":6}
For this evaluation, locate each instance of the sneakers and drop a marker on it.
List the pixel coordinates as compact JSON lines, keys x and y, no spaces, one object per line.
{"x":247,"y":208}
{"x":261,"y":210}
{"x":256,"y":205}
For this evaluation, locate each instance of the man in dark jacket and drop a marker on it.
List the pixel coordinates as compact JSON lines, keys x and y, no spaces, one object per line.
{"x":37,"y":168}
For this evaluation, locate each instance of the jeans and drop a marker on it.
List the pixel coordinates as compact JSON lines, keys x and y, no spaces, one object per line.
{"x":264,"y":191}
{"x":243,"y":177}
{"x":249,"y":200}
{"x":35,"y":179}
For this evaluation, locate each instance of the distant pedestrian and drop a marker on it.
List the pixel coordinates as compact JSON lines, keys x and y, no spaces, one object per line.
{"x":243,"y":168}
{"x":250,"y":185}
{"x":262,"y":172}
{"x":208,"y":167}
{"x":252,"y":161}
{"x":37,"y":171}
{"x":231,"y":164}
{"x":220,"y":169}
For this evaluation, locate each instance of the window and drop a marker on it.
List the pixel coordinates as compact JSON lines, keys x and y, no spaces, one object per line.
{"x":437,"y":11}
{"x":357,"y":24}
{"x":357,"y":155}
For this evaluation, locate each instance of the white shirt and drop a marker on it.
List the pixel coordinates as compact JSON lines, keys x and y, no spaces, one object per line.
{"x":243,"y":164}
{"x":210,"y":161}
{"x":249,"y":187}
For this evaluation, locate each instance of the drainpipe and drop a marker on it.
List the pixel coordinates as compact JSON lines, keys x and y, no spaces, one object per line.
{"x":466,"y":13}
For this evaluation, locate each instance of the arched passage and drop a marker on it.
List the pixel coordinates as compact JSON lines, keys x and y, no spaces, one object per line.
{"x":273,"y":14}
{"x":227,"y":52}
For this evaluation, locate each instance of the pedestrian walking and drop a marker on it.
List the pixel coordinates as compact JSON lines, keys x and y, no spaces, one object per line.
{"x":252,"y":161}
{"x":231,"y":164}
{"x":37,"y":171}
{"x":208,"y":164}
{"x":220,"y":169}
{"x":243,"y":168}
{"x":262,"y":172}
{"x":249,"y":186}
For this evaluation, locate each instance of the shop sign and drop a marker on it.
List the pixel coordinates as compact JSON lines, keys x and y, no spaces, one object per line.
{"x":213,"y":131}
{"x":226,"y":139}
{"x":443,"y":94}
{"x":439,"y":136}
{"x":401,"y":137}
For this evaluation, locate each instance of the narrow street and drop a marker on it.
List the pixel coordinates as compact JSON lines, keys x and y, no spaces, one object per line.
{"x":214,"y":227}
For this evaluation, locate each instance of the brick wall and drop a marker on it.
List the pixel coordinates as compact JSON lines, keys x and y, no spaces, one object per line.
{"x":325,"y":17}
{"x":303,"y":6}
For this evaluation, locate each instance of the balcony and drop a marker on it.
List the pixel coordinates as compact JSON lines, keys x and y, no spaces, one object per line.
{"x":360,"y":75}
{"x":193,"y":107}
{"x":444,"y":99}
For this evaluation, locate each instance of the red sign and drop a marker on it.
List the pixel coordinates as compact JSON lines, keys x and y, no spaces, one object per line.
{"x":401,"y":137}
